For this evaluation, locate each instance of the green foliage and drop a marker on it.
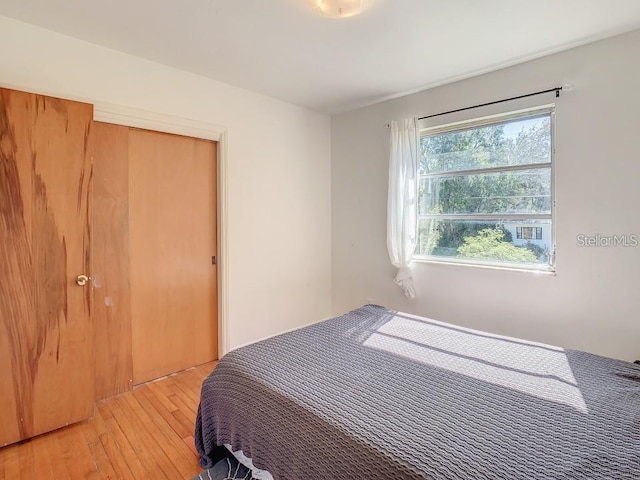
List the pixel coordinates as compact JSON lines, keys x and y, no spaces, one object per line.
{"x":489,"y":244}
{"x":478,"y":147}
{"x":525,"y":191}
{"x":452,"y":234}
{"x":486,"y":146}
{"x":541,"y":254}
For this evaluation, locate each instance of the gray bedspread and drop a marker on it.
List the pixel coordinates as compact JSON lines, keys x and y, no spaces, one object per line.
{"x":376,"y":394}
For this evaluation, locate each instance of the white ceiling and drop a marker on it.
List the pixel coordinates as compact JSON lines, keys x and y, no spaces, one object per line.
{"x":280,"y":48}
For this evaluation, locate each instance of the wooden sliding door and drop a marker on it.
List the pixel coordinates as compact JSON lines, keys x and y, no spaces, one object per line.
{"x":46,"y":343}
{"x":166,"y":242}
{"x":172,"y":228}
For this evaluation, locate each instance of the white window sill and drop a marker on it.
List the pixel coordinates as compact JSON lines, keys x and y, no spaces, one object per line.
{"x":510,"y":267}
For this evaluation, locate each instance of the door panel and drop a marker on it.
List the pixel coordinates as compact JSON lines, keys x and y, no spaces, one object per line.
{"x":110,"y":259}
{"x":45,"y":333}
{"x":172,"y":227}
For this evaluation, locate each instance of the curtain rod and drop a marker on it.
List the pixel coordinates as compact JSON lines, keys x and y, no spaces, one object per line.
{"x":556,"y":89}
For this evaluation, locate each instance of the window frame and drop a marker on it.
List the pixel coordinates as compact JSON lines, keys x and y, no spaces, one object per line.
{"x":504,"y":117}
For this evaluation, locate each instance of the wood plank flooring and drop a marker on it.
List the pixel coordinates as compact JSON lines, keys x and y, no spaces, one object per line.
{"x":143,"y":434}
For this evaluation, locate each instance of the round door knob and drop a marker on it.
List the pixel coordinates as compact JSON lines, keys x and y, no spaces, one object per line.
{"x":82,"y":280}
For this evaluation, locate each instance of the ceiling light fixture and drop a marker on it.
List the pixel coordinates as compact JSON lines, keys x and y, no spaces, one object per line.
{"x":337,"y":8}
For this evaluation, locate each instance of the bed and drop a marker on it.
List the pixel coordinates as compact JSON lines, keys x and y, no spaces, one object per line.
{"x":379,"y":394}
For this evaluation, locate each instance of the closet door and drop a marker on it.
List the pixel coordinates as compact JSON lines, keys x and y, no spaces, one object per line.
{"x":154,"y":239}
{"x":46,"y":364}
{"x":172,"y":228}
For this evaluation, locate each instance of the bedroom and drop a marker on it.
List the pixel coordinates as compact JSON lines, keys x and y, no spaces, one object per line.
{"x":306,"y":188}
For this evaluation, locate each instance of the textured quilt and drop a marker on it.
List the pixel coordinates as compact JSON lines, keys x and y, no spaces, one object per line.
{"x":377,"y":394}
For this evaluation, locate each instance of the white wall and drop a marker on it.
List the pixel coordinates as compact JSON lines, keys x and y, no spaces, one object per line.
{"x":278,"y":167}
{"x":593,"y":303}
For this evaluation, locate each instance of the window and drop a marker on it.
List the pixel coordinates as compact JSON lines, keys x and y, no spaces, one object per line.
{"x":527,"y":233}
{"x":485,"y":191}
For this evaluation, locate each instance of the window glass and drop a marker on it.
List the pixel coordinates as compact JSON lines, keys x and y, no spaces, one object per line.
{"x":485,"y":191}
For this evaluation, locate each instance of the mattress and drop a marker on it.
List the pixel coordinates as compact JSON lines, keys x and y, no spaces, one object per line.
{"x":379,"y":394}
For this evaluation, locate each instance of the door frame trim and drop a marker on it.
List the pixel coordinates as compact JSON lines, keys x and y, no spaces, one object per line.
{"x":160,"y":122}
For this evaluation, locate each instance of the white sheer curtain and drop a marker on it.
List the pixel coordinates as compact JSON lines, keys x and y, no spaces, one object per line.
{"x":402,"y":205}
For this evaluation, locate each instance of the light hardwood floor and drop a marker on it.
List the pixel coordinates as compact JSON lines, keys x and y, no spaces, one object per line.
{"x":143,"y":434}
